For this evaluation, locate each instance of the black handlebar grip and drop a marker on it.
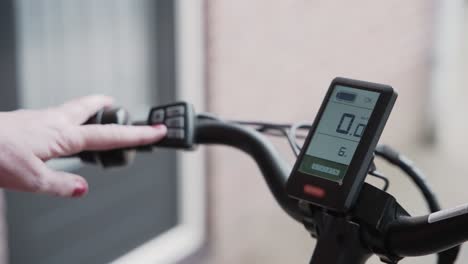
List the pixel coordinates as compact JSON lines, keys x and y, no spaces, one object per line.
{"x":109,"y":158}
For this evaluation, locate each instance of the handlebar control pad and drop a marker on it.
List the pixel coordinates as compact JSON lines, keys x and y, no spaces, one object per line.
{"x":179,"y":119}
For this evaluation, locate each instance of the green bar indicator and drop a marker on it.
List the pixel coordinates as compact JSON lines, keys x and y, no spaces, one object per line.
{"x":322,"y":168}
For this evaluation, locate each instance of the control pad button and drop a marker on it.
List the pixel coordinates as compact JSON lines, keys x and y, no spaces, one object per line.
{"x":175,"y":121}
{"x":175,"y":133}
{"x":175,"y":110}
{"x":157,"y":116}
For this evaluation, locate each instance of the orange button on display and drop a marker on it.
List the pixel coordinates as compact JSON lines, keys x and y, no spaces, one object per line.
{"x":314,"y":191}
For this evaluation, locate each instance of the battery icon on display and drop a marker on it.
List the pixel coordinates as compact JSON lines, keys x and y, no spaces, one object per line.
{"x":345,"y":96}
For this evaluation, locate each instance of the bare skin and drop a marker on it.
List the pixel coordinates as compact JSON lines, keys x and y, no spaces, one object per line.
{"x":28,"y":138}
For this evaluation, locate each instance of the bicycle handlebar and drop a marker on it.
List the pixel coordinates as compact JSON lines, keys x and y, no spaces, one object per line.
{"x":407,"y":236}
{"x":417,"y":236}
{"x":386,"y":230}
{"x":274,"y":169}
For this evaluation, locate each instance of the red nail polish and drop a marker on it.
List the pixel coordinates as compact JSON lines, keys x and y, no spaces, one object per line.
{"x":79,"y":191}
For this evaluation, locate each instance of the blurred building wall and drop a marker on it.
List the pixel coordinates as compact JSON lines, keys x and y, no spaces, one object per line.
{"x":273,"y":61}
{"x":450,"y":77}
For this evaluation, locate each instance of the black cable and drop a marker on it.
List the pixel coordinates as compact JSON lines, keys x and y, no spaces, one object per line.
{"x":208,"y":116}
{"x":270,"y":132}
{"x":291,"y":142}
{"x":414,"y":173}
{"x":266,"y":128}
{"x":261,"y":124}
{"x":381,"y":177}
{"x":297,"y":126}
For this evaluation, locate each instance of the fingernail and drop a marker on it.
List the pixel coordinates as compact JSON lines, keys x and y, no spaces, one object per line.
{"x":79,"y":191}
{"x":160,"y":127}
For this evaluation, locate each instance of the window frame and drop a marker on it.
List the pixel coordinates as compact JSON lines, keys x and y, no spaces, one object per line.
{"x":189,"y":235}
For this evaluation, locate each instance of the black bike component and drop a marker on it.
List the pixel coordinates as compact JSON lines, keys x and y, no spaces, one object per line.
{"x":273,"y":168}
{"x":293,"y":132}
{"x":337,"y":153}
{"x":395,"y":158}
{"x":414,"y":173}
{"x":376,"y":211}
{"x":381,"y":177}
{"x":343,"y":238}
{"x":417,"y":236}
{"x":273,"y":129}
{"x":179,"y":119}
{"x":376,"y":225}
{"x":355,"y":236}
{"x":110,"y":158}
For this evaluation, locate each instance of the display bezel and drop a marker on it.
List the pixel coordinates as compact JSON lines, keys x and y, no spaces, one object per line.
{"x":340,"y":197}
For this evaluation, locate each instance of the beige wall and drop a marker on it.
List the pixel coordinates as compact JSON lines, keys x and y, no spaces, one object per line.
{"x":273,"y":60}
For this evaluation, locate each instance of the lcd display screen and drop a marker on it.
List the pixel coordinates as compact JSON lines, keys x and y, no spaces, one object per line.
{"x":338,"y":133}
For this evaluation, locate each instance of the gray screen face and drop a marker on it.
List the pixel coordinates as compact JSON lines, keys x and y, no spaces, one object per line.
{"x":338,"y":133}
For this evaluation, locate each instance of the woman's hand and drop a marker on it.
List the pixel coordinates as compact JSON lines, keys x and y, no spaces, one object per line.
{"x":28,"y":138}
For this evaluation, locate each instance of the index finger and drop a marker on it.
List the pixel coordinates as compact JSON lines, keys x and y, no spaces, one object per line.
{"x":81,"y":109}
{"x":111,"y":136}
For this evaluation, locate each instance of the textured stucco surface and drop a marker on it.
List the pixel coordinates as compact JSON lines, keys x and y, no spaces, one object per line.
{"x":273,"y":60}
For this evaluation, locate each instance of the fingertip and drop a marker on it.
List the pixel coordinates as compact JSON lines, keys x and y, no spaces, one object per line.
{"x":81,"y":188}
{"x":160,"y":133}
{"x":160,"y":128}
{"x":79,"y":192}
